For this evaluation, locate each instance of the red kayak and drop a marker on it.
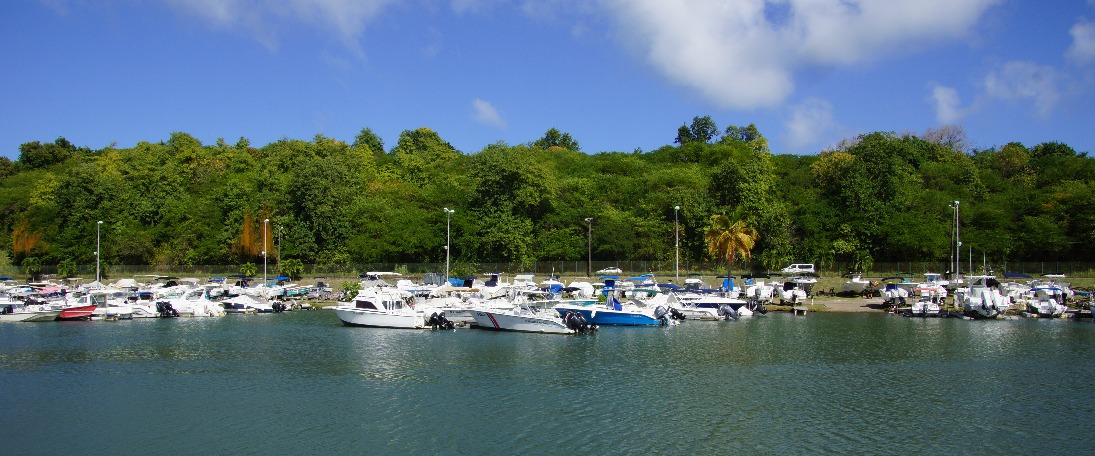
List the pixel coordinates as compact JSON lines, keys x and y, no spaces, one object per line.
{"x":76,"y":313}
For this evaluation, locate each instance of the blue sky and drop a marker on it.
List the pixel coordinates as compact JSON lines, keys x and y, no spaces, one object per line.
{"x":615,"y":74}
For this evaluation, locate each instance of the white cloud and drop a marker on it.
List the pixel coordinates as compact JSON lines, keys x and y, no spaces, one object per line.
{"x":809,"y":121}
{"x":743,"y":53}
{"x":345,"y":18}
{"x":1082,"y":49}
{"x":1018,"y":80}
{"x":486,"y":114}
{"x":948,"y":109}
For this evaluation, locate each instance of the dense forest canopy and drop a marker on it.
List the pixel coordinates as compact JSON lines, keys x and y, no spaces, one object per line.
{"x":877,"y":197}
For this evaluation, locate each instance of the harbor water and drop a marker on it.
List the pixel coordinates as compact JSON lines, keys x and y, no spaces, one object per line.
{"x":301,"y":383}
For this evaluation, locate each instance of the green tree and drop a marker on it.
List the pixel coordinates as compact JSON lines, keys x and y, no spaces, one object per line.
{"x":555,"y":138}
{"x":292,"y":267}
{"x":702,"y":130}
{"x":67,"y":268}
{"x":684,"y":136}
{"x":421,"y":153}
{"x":248,"y":269}
{"x":368,"y":140}
{"x":728,"y":239}
{"x":35,"y":155}
{"x":32,"y":266}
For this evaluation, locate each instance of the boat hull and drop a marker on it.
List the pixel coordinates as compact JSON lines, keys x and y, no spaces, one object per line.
{"x":351,"y":316}
{"x":76,"y":313}
{"x":45,"y":315}
{"x":602,"y":317}
{"x":502,"y":321}
{"x":980,"y":313}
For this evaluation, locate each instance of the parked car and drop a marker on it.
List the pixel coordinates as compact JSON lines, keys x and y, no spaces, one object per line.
{"x":799,"y":268}
{"x":609,"y":271}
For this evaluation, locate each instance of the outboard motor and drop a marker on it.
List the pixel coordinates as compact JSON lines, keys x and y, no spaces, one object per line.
{"x":661,"y":314}
{"x":727,"y":312}
{"x":676,"y":314}
{"x":166,"y":310}
{"x":576,"y":322}
{"x":278,"y":307}
{"x":438,"y":321}
{"x":759,"y":309}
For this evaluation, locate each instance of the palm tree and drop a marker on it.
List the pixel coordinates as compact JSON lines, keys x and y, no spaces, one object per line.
{"x":248,"y":269}
{"x":33,"y":267}
{"x":729,"y":240}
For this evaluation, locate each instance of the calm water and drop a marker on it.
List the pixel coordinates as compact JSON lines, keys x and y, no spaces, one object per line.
{"x":301,"y":383}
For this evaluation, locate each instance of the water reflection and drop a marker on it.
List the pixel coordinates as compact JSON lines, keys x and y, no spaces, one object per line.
{"x":831,"y":383}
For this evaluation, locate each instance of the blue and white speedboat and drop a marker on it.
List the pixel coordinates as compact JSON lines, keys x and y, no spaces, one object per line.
{"x":615,"y":313}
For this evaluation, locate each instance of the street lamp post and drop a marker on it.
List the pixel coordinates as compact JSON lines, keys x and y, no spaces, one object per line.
{"x":957,"y":245}
{"x":448,"y":230}
{"x":677,"y":242}
{"x":589,"y":246}
{"x":98,"y":227}
{"x":264,"y":223}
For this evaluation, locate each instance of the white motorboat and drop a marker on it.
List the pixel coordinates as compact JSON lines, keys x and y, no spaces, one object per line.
{"x":983,"y":298}
{"x":855,"y":284}
{"x":188,"y":302}
{"x":382,"y":307}
{"x":895,"y":290}
{"x":757,"y":291}
{"x":708,"y":306}
{"x":929,"y":302}
{"x":1046,"y":302}
{"x":792,"y":293}
{"x":109,"y":305}
{"x":532,"y":313}
{"x":13,"y":311}
{"x":245,"y":304}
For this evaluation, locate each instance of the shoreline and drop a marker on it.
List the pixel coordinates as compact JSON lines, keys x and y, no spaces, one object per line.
{"x":848,"y":305}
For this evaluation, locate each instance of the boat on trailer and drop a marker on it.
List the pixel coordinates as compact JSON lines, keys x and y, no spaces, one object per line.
{"x":983,"y":298}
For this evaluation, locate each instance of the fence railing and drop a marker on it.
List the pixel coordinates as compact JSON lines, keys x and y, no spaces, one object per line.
{"x":664,"y":270}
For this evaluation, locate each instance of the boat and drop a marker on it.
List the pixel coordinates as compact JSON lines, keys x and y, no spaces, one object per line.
{"x":110,"y":304}
{"x":533,"y":312}
{"x":16,"y":311}
{"x":76,"y":312}
{"x":188,"y":302}
{"x":855,"y":284}
{"x":929,"y":302}
{"x":1014,"y":290}
{"x":983,"y":298}
{"x":792,"y":292}
{"x":757,"y":291}
{"x":709,"y":307}
{"x":1047,"y":302}
{"x":894,"y":291}
{"x":245,"y":304}
{"x":613,"y":312}
{"x":381,"y":307}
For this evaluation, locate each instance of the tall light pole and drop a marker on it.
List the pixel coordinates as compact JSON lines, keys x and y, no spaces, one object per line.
{"x":264,"y":223}
{"x":589,"y":246}
{"x":677,"y":241}
{"x":448,"y":230}
{"x":957,"y":245}
{"x":98,"y":227}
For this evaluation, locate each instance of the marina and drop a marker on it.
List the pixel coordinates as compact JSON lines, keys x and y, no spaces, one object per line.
{"x":303,"y":383}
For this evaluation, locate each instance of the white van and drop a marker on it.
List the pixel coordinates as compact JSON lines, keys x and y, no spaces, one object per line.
{"x":799,"y":268}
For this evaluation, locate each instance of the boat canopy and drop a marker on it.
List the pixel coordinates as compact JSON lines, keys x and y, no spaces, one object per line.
{"x":1017,"y":275}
